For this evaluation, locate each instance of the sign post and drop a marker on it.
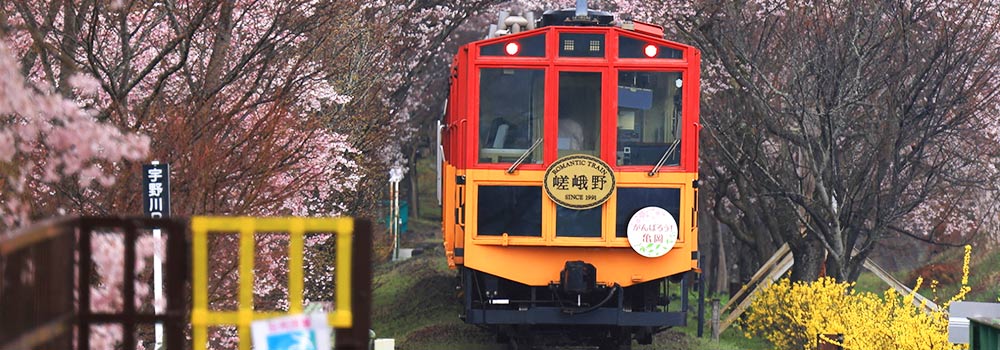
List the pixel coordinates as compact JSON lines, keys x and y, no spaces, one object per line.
{"x":395,"y":176}
{"x":156,"y":204}
{"x":156,"y":189}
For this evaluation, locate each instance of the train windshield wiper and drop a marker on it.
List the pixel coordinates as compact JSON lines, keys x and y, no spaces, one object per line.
{"x":673,"y":147}
{"x":523,"y":156}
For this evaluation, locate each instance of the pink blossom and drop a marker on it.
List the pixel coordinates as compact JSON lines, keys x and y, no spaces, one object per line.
{"x":7,"y":148}
{"x":56,"y":132}
{"x":85,"y":83}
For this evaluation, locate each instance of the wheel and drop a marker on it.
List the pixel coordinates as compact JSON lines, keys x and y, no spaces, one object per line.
{"x":517,"y":342}
{"x":502,"y":337}
{"x":644,"y":335}
{"x":517,"y":338}
{"x":613,"y":344}
{"x":617,"y":341}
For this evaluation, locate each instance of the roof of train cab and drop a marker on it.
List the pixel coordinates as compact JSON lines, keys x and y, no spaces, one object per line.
{"x":630,"y":40}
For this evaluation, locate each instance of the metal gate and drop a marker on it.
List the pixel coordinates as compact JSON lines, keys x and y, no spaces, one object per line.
{"x":43,"y":305}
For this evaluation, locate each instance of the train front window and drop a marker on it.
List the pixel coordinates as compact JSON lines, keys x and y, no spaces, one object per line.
{"x":511,"y":103}
{"x":578,"y":223}
{"x":631,"y":200}
{"x":514,"y":210}
{"x":579,"y":113}
{"x":649,"y":118}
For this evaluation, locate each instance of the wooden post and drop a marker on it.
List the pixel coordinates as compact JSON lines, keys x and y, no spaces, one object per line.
{"x":715,"y":319}
{"x":822,"y":344}
{"x":358,"y":336}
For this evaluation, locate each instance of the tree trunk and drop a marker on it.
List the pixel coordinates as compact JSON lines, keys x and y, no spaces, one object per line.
{"x":414,"y":189}
{"x":809,"y":256}
{"x":719,"y":256}
{"x":710,"y":262}
{"x":746,"y":266}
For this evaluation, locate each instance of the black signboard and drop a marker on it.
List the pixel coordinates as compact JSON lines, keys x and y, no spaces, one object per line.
{"x":156,"y":190}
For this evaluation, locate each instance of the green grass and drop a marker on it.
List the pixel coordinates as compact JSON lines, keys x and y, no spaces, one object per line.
{"x":732,"y":339}
{"x":415,"y":302}
{"x":984,"y":277}
{"x":407,"y":295}
{"x":868,"y":282}
{"x":427,"y":191}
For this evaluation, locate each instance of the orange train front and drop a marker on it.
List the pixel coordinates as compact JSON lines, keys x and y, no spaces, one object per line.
{"x":568,"y":161}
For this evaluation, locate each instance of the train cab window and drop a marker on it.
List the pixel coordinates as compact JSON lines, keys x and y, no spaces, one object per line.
{"x":532,"y":46}
{"x":514,"y":210}
{"x":581,"y":45}
{"x":630,"y":200}
{"x":635,"y":48}
{"x":579,"y":121}
{"x":649,"y":118}
{"x":511,"y":105}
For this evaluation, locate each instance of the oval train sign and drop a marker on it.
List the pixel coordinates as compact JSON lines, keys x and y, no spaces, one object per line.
{"x":579,"y":181}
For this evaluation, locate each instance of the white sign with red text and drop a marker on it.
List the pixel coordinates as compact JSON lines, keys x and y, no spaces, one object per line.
{"x":299,"y":332}
{"x":652,"y":232}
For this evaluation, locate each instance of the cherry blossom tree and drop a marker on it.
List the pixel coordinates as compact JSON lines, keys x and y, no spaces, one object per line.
{"x":842,"y":123}
{"x":240,"y":80}
{"x":833,"y":125}
{"x":232,"y":93}
{"x":407,"y":46}
{"x":45,"y":138}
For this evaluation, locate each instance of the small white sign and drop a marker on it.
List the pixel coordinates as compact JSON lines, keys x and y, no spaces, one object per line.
{"x":652,"y":232}
{"x":298,"y":332}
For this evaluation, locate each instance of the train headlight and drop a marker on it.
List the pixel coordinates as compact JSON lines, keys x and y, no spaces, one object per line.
{"x":651,"y":51}
{"x":512,"y":48}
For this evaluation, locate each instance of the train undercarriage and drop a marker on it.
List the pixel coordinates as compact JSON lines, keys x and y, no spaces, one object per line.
{"x":574,"y":311}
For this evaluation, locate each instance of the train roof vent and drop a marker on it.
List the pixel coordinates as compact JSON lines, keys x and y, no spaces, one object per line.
{"x":569,"y":17}
{"x":511,"y":24}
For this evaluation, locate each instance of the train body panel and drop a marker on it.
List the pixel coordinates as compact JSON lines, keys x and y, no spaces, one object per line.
{"x":453,"y":234}
{"x":530,"y":259}
{"x":541,"y":266}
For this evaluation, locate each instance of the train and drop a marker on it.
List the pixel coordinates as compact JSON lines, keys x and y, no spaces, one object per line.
{"x":568,"y":179}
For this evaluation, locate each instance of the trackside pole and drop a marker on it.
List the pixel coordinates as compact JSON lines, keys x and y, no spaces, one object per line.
{"x":157,"y":288}
{"x":701,"y":305}
{"x":395,"y":176}
{"x":156,"y":204}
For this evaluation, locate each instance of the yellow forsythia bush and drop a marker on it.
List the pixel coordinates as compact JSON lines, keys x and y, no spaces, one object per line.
{"x":793,"y":316}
